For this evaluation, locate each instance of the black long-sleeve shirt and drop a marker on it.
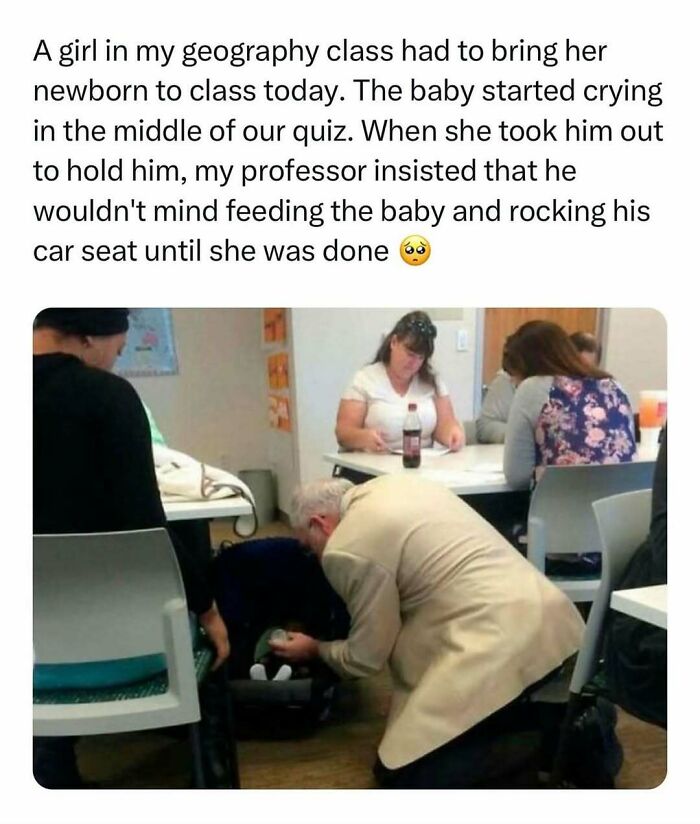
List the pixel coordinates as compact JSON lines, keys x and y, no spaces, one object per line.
{"x":93,"y":462}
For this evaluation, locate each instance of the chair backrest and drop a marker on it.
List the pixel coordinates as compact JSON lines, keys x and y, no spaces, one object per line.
{"x":561,"y":517}
{"x":108,"y":596}
{"x":623,"y":524}
{"x":103,"y":596}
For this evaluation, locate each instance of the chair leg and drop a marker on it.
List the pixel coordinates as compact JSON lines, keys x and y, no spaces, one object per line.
{"x":231,"y":731}
{"x":197,"y":762}
{"x":218,"y":742}
{"x":561,"y":756}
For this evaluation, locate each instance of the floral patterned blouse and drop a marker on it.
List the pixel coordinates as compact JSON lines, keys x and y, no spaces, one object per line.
{"x":559,"y":421}
{"x":584,"y":421}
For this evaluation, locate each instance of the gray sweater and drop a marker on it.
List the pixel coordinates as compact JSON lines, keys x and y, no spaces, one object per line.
{"x":519,"y":455}
{"x":491,"y":423}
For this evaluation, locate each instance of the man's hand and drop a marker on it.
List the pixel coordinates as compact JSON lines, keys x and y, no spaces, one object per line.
{"x":212,"y":623}
{"x":297,"y":648}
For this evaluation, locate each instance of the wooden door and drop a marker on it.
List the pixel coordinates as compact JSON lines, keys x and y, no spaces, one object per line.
{"x":499,"y":323}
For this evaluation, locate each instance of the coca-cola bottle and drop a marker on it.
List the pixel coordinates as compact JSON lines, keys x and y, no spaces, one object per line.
{"x":411,"y":438}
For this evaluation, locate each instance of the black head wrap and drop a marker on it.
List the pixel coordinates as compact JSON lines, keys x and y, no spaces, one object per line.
{"x":84,"y":321}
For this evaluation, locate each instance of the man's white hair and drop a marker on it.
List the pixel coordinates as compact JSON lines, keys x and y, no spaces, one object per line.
{"x":317,"y":498}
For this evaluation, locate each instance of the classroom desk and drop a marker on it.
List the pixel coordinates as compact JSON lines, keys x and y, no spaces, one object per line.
{"x":645,"y":603}
{"x":475,"y":470}
{"x":206,"y":510}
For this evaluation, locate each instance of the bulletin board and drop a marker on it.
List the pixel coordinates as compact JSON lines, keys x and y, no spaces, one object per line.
{"x":150,"y":345}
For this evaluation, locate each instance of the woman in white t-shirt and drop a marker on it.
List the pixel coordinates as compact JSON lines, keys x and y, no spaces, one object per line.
{"x":374,"y":406}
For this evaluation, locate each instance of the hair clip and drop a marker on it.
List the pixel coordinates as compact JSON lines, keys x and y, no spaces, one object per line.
{"x":423,"y":327}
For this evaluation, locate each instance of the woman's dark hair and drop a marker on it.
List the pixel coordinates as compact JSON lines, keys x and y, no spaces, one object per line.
{"x":504,"y":354}
{"x":540,"y":347}
{"x":416,"y":332}
{"x":586,"y":342}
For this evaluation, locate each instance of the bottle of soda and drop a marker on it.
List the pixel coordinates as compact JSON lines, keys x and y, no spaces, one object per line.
{"x":411,"y":438}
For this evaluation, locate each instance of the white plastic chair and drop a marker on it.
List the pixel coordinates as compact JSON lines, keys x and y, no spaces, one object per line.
{"x":561,"y":520}
{"x":623,"y":524}
{"x":107,"y":596}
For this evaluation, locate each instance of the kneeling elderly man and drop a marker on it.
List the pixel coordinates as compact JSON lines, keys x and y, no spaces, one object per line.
{"x":465,"y":623}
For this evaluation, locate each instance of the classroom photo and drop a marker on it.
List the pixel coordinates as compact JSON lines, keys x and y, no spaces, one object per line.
{"x":349,"y":548}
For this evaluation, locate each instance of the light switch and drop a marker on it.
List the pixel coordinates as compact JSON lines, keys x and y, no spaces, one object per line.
{"x":462,"y":340}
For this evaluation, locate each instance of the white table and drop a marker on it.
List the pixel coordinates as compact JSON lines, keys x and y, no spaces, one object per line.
{"x":196,"y":510}
{"x":646,"y":603}
{"x":472,"y":471}
{"x":477,"y":469}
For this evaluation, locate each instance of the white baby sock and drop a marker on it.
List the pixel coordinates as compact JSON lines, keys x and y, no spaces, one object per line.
{"x":284,"y":673}
{"x":257,"y":673}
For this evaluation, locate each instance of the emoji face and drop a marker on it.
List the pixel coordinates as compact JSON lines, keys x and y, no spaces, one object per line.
{"x":415,"y":250}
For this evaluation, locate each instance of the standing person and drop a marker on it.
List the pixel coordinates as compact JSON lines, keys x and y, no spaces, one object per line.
{"x":373,"y":407}
{"x":93,"y":472}
{"x":465,"y":623}
{"x":492,"y":420}
{"x":588,"y":347}
{"x":565,"y":411}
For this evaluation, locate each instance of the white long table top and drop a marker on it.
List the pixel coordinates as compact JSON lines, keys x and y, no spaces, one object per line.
{"x":194,"y":510}
{"x":474,"y":470}
{"x":646,"y":603}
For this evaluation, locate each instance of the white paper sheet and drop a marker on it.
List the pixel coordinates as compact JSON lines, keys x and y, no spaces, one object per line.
{"x":426,"y":452}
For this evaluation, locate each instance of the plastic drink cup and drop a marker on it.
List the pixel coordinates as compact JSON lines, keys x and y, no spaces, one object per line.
{"x":653,"y":406}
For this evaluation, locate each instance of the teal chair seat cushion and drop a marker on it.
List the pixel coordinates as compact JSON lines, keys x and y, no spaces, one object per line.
{"x":105,"y":674}
{"x":155,"y":685}
{"x":97,"y":674}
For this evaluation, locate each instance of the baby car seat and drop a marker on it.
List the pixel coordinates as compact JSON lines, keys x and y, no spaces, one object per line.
{"x":274,"y":582}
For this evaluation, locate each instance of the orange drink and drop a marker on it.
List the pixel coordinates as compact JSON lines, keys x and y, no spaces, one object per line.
{"x":652,"y":409}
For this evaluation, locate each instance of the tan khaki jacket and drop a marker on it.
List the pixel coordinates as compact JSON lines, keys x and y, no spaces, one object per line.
{"x":464,"y":622}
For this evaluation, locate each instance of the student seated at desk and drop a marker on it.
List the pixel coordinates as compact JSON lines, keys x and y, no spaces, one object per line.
{"x":565,"y":411}
{"x":492,"y":420}
{"x":93,"y":472}
{"x":374,"y":406}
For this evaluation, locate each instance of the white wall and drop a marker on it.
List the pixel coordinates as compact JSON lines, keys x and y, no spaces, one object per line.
{"x":635,"y":349}
{"x":329,"y":345}
{"x":214,"y":408}
{"x":458,"y":368}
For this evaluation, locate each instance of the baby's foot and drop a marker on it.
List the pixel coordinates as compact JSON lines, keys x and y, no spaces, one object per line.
{"x":257,"y":673}
{"x":284,"y":673}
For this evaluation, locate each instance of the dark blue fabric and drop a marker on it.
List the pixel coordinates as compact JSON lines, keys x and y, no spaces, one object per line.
{"x":273,"y":582}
